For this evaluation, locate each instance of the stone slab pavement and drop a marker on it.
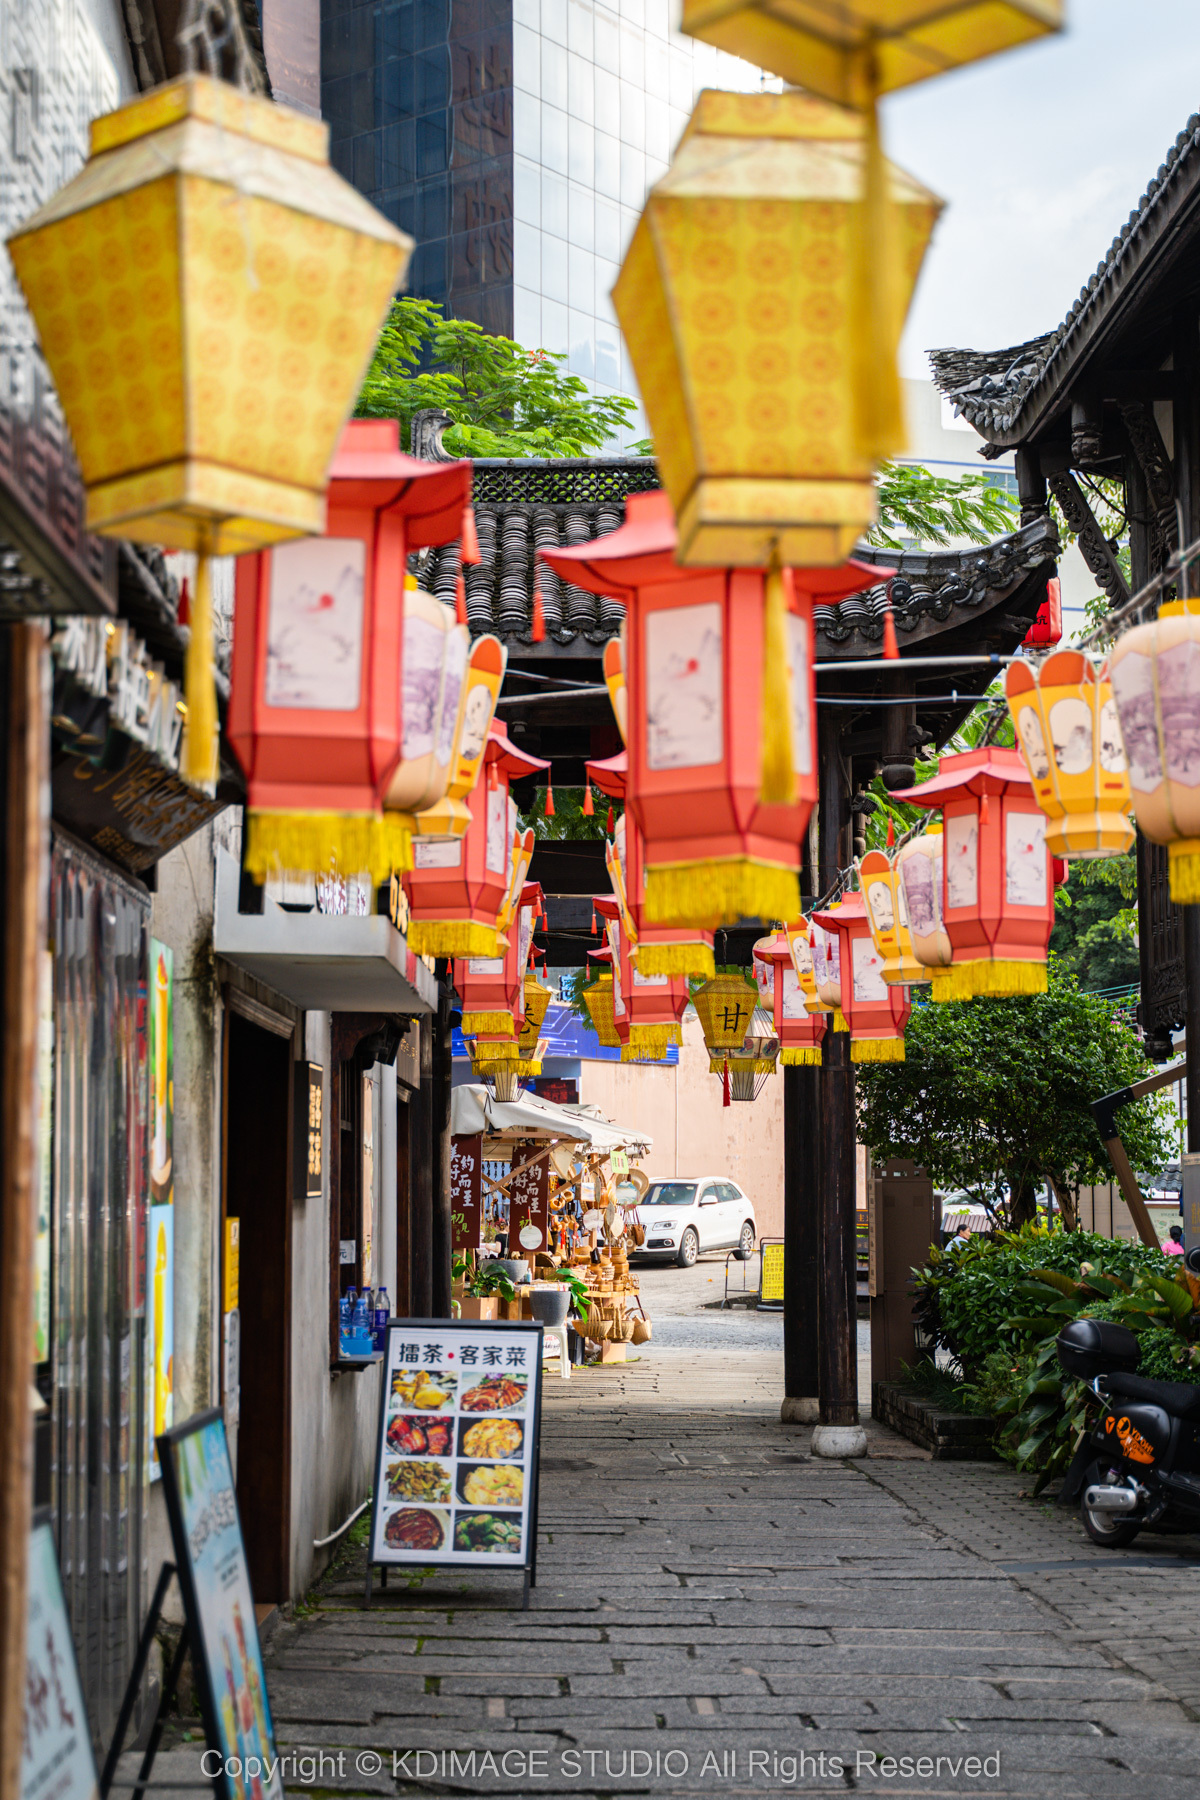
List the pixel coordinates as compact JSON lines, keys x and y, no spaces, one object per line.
{"x":718,"y":1613}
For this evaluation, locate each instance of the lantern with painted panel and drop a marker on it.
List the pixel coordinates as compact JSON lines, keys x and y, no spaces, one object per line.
{"x":922,"y":882}
{"x":207,"y":293}
{"x":492,"y":989}
{"x":654,"y":1005}
{"x":1067,"y":730}
{"x":887,"y":916}
{"x":460,"y":889}
{"x":435,"y":665}
{"x":875,"y":1013}
{"x":1155,"y":675}
{"x":662,"y":949}
{"x":800,"y":1032}
{"x":827,"y":972}
{"x":997,"y":880}
{"x":735,"y":301}
{"x":316,"y":712}
{"x":450,"y":815}
{"x":719,"y":672}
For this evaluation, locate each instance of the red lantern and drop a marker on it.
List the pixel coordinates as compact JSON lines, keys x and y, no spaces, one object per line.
{"x":998,"y":884}
{"x":662,"y":949}
{"x":315,"y":712}
{"x":721,"y":707}
{"x":800,"y":1032}
{"x":458,"y":887}
{"x":875,"y":1013}
{"x":647,"y":1009}
{"x":492,"y":988}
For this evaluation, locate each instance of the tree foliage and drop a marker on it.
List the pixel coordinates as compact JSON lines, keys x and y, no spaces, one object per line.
{"x":1095,"y":930}
{"x":916,"y":506}
{"x":996,"y":1093}
{"x":504,"y":401}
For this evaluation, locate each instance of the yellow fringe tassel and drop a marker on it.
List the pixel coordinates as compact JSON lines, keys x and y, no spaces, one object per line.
{"x":1183,"y":868}
{"x":648,"y":1043}
{"x":708,"y":894}
{"x":877,"y":1050}
{"x":777,"y":785}
{"x":451,"y":937}
{"x":496,"y":1050}
{"x":839,"y":1020}
{"x":798,"y":1057}
{"x":378,"y":845}
{"x":875,"y":307}
{"x":473,"y":1022}
{"x":199,"y":761}
{"x":999,"y":980}
{"x":742,"y":1065}
{"x":676,"y":959}
{"x":953,"y":983}
{"x":522,"y":1070}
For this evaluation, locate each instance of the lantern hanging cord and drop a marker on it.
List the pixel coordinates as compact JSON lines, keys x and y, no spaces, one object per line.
{"x":1177,"y":564}
{"x":952,"y":699}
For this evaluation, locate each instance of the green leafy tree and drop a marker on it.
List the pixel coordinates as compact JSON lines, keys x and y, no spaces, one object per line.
{"x":568,"y":820}
{"x":1095,"y":931}
{"x":916,"y":506}
{"x":504,"y":401}
{"x":997,"y":1093}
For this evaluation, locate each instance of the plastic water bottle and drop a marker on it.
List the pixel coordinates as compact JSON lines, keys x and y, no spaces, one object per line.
{"x":360,"y":1317}
{"x":382,"y":1313}
{"x":346,"y":1309}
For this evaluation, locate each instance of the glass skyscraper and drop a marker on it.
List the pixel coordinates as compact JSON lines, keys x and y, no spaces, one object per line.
{"x":516,"y":141}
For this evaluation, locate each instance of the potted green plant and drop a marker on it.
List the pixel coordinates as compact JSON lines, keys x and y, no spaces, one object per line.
{"x":551,"y":1308}
{"x":483,"y":1290}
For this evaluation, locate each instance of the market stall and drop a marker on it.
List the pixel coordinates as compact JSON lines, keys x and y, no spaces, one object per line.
{"x":538,"y":1220}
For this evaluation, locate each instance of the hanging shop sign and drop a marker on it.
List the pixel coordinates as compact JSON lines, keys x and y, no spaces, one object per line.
{"x":116,"y":723}
{"x":528,"y":1196}
{"x":456,"y":1462}
{"x":57,"y":1762}
{"x":1069,"y":735}
{"x":308,"y":1124}
{"x":210,"y":1557}
{"x":998,"y":880}
{"x":466,"y":1192}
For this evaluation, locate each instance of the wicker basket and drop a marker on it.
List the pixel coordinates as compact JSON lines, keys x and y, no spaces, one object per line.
{"x":642,"y":1332}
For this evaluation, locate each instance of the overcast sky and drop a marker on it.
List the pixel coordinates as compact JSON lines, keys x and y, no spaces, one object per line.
{"x":1041,"y":155}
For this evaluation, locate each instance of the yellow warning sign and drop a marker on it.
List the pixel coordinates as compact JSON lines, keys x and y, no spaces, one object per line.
{"x":771,"y":1284}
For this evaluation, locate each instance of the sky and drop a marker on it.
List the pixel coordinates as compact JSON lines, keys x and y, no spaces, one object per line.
{"x":1041,"y":155}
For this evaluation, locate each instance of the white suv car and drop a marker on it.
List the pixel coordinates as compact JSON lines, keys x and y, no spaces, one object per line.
{"x":682,"y":1218}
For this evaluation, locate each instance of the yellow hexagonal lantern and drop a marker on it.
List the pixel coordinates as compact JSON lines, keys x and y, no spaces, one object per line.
{"x":737,"y":301}
{"x":1067,"y":730}
{"x":879,"y":879}
{"x":207,"y":291}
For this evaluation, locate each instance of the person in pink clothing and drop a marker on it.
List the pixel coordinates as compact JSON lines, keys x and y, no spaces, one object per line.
{"x":1174,"y":1244}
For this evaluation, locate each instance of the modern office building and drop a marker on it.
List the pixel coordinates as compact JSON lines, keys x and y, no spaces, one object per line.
{"x":516,"y":141}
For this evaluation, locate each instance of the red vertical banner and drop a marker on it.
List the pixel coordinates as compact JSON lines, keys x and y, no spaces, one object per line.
{"x":466,"y":1190}
{"x":528,"y":1197}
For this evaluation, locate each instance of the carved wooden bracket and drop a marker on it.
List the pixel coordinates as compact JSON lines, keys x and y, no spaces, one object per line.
{"x":1097,"y":552}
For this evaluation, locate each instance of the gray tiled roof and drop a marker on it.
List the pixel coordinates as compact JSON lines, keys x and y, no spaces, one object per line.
{"x":991,"y":388}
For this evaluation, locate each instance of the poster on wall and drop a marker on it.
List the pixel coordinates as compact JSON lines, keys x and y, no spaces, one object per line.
{"x":161,"y":1349}
{"x":162,"y":1328}
{"x":457,"y":1457}
{"x":56,"y":1759}
{"x":211,"y":1558}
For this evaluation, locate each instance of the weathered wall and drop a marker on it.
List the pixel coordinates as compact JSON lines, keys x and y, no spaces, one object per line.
{"x":680,"y":1107}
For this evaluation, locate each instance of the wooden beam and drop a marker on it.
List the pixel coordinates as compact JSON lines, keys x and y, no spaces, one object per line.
{"x":1094,"y":546}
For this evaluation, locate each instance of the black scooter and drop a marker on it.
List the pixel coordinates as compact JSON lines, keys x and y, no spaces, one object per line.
{"x":1140,"y":1466}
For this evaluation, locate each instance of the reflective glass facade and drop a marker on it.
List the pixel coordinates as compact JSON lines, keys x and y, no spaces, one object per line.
{"x":551,"y":119}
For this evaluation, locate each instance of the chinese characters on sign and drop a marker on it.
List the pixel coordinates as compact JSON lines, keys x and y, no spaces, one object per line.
{"x":528,"y":1194}
{"x":466,"y":1187}
{"x":308,"y":1129}
{"x":456,"y":1465}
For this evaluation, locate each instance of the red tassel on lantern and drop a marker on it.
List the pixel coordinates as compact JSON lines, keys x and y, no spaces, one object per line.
{"x":549,"y":800}
{"x":891,"y":832}
{"x":460,"y":601}
{"x":588,"y":807}
{"x":538,"y":634}
{"x":184,"y":614}
{"x":469,"y":550}
{"x":891,"y":649}
{"x":611,"y":822}
{"x":725,"y":1084}
{"x":595,"y":926}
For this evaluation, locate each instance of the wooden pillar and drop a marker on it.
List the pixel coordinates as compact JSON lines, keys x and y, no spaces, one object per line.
{"x":837,"y":1350}
{"x":24,"y":782}
{"x":1187,"y":488}
{"x":802,"y":1243}
{"x":441,"y":1232}
{"x":420,"y":1182}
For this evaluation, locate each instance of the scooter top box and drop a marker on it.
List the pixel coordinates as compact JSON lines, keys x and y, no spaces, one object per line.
{"x":1091,"y":1347}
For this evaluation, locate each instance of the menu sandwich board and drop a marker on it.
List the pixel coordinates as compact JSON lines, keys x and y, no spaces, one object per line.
{"x":456,"y":1467}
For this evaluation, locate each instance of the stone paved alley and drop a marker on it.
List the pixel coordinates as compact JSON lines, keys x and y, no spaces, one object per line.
{"x":706,"y":1588}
